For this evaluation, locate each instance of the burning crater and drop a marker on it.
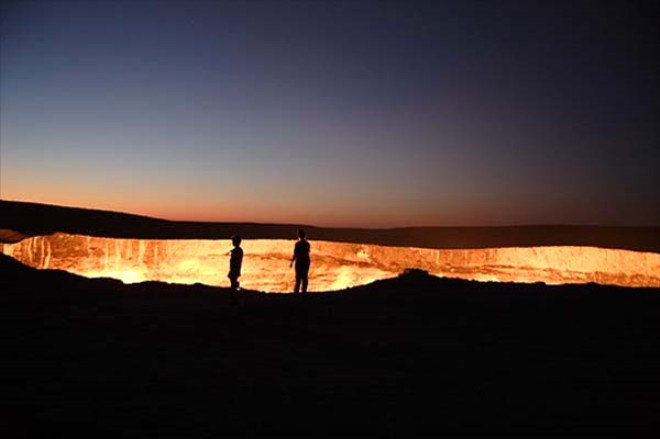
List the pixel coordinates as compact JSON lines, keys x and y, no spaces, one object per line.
{"x":334,"y":265}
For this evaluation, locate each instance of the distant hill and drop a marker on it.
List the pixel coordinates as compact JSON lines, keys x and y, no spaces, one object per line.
{"x":41,"y":219}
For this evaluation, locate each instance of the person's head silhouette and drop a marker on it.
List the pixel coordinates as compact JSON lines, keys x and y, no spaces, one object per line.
{"x":301,"y":234}
{"x":236,"y":240}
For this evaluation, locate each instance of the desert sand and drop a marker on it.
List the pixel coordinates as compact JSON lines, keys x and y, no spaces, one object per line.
{"x":413,"y":355}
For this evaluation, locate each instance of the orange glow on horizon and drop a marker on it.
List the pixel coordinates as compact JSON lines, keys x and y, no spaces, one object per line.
{"x":235,"y":211}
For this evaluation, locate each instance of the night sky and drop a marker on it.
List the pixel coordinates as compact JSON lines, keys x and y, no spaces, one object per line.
{"x":339,"y":113}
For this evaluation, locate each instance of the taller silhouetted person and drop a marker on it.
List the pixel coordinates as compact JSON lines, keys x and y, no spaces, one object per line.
{"x":235,"y":262}
{"x":301,"y":258}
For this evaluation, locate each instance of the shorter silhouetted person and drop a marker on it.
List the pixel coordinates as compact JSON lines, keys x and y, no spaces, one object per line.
{"x":235,"y":262}
{"x":301,"y":259}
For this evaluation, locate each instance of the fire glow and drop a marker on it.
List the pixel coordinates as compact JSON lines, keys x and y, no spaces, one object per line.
{"x":335,"y":266}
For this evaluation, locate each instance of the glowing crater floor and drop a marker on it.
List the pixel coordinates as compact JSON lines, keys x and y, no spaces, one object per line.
{"x":334,"y":265}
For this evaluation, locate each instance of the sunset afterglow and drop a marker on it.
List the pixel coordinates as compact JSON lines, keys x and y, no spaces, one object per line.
{"x":366,"y":114}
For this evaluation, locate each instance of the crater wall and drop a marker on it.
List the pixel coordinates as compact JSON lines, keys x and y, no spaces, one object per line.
{"x":334,"y":265}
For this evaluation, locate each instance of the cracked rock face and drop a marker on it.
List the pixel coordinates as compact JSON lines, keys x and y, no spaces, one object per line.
{"x":334,"y":265}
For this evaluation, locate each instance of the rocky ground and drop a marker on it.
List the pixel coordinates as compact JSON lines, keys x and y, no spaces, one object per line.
{"x":412,"y":355}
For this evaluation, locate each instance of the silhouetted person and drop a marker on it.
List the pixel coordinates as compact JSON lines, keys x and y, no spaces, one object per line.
{"x":235,"y":262}
{"x":301,"y":258}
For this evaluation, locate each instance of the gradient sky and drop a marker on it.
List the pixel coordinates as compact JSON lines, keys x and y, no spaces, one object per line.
{"x":345,"y":113}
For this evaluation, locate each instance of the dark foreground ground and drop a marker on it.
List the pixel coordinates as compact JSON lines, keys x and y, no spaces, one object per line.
{"x":415,"y":355}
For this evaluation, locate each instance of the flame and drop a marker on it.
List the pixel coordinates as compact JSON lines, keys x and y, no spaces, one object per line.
{"x":335,"y":266}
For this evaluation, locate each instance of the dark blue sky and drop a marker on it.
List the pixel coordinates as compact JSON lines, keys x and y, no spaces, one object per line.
{"x":342,"y":113}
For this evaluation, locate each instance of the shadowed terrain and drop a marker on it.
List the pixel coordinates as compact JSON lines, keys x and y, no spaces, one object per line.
{"x":399,"y":357}
{"x":405,"y":356}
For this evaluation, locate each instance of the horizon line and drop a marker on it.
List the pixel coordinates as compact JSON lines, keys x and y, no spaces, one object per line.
{"x":313,"y":226}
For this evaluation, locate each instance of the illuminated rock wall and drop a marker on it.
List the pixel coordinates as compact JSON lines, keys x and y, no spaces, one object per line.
{"x":334,"y":265}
